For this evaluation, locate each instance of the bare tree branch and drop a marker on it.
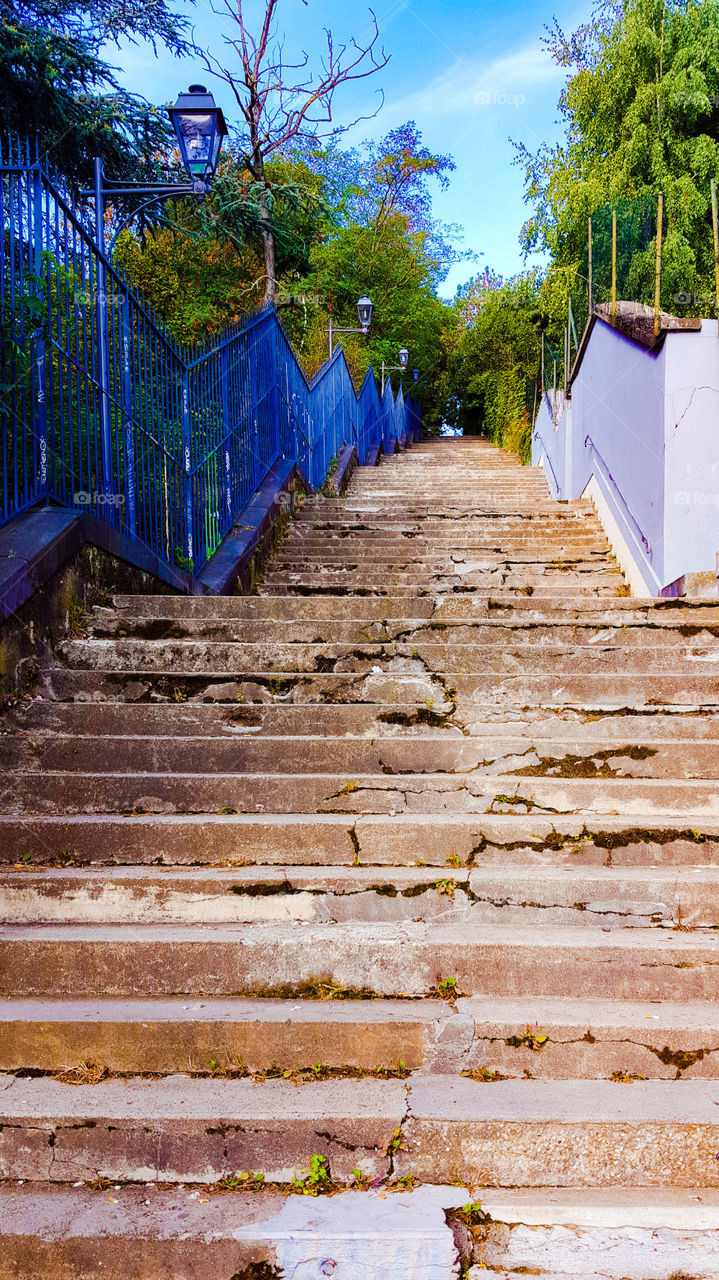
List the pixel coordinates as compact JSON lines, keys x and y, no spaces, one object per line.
{"x":278,"y":105}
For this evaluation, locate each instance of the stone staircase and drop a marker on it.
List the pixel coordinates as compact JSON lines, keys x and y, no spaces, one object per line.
{"x":398,"y":879}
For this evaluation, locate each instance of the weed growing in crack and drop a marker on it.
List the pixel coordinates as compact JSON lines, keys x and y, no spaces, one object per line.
{"x":395,"y":1143}
{"x":316,"y":1180}
{"x":240,"y":1182}
{"x":447,"y":988}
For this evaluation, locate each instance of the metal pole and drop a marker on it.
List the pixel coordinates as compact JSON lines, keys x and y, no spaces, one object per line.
{"x":590,"y":289}
{"x":103,"y":377}
{"x":383,"y":379}
{"x":41,"y":458}
{"x":130,"y":482}
{"x":715,"y":223}
{"x":658,"y":271}
{"x":614,"y":265}
{"x":331,"y":342}
{"x":187,"y":471}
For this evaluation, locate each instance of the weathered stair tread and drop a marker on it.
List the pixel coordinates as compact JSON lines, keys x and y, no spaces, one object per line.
{"x":181,"y":1232}
{"x":533,"y":755}
{"x":578,"y":1038}
{"x":578,"y":896}
{"x":347,"y":721}
{"x":38,"y":792}
{"x":156,"y":1035}
{"x":396,"y":959}
{"x":445,"y":841}
{"x":557,"y":1132}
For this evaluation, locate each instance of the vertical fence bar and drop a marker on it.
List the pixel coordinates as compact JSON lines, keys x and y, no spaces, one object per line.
{"x":39,"y":354}
{"x":614,"y":265}
{"x":590,"y":281}
{"x":101,"y":350}
{"x":187,"y":468}
{"x":128,"y":425}
{"x":658,"y":268}
{"x":715,"y":225}
{"x":225,"y":426}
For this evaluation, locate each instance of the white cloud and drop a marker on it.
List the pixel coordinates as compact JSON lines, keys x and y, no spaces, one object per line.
{"x":507,"y":81}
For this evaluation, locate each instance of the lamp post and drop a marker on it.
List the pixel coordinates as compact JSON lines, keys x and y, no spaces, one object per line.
{"x":395,"y":368}
{"x":200,"y":130}
{"x":364,"y":312}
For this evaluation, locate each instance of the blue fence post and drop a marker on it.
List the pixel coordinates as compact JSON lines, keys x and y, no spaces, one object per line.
{"x":225,"y":391}
{"x":103,"y":370}
{"x":41,"y":460}
{"x":128,"y":425}
{"x":187,"y":469}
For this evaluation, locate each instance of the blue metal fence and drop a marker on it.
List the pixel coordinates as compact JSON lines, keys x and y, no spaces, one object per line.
{"x":102,"y":411}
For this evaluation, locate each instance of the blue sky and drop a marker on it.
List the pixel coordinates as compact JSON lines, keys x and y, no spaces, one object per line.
{"x":471,"y":73}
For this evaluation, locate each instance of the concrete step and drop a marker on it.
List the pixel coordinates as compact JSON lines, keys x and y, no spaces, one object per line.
{"x":420,"y":658}
{"x":649,"y":897}
{"x":694,"y":690}
{"x":462,"y":607}
{"x":435,"y":1128}
{"x":444,"y":841}
{"x":42,"y":717}
{"x":390,"y":960}
{"x":136,"y":792}
{"x":638,"y":1234}
{"x":559,"y":631}
{"x":523,"y":756}
{"x":414,"y":580}
{"x":519,"y":1038}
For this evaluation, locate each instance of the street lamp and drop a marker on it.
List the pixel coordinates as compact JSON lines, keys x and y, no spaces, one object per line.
{"x":395,"y":368}
{"x":364,"y":312}
{"x":200,"y":130}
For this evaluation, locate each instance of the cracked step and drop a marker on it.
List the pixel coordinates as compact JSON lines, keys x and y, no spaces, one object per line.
{"x":626,"y":898}
{"x":528,"y":1132}
{"x":406,"y":959}
{"x":75,"y":792}
{"x":695,"y":689}
{"x":275,"y":720}
{"x":536,"y":1038}
{"x":491,"y":606}
{"x":521,"y":756}
{"x":419,"y":659}
{"x":443,"y":841}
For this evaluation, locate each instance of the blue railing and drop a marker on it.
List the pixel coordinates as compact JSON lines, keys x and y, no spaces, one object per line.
{"x":102,"y":411}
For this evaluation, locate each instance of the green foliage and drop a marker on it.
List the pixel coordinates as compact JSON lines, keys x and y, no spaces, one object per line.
{"x":493,"y":358}
{"x":56,"y":86}
{"x":314,"y":1181}
{"x":342,"y":225}
{"x":641,"y":109}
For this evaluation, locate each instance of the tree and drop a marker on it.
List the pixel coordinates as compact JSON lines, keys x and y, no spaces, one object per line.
{"x":56,"y":87}
{"x":493,"y":359}
{"x":641,"y":111}
{"x":283,"y":102}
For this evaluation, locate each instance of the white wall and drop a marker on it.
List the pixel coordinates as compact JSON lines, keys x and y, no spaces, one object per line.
{"x":640,"y":437}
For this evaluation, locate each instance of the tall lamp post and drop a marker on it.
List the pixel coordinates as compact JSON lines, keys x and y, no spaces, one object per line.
{"x":395,"y":368}
{"x":364,"y":311}
{"x":200,"y":130}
